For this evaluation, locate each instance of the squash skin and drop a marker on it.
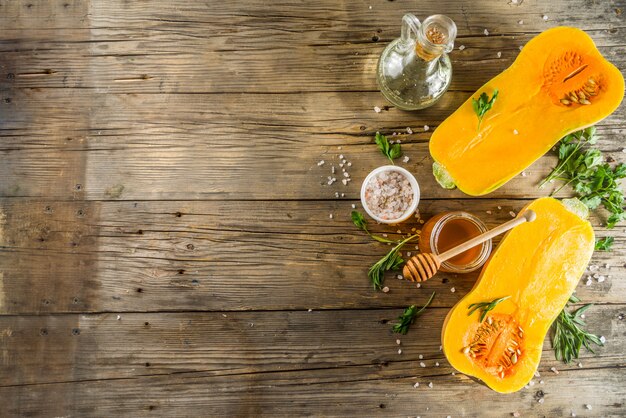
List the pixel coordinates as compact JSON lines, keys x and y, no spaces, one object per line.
{"x":482,"y":161}
{"x":538,"y":265}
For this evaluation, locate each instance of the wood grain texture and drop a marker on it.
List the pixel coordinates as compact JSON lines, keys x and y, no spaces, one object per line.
{"x":159,"y":163}
{"x":150,"y":256}
{"x":130,"y":345}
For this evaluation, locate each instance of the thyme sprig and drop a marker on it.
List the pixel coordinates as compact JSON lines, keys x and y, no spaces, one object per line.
{"x":485,"y":306}
{"x":568,"y":337}
{"x":483,"y":105}
{"x":360,"y":222}
{"x":604,"y":244}
{"x":408,"y":317}
{"x":391,"y":261}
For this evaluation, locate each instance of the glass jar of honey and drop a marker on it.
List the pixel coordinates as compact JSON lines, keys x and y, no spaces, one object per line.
{"x":449,"y":229}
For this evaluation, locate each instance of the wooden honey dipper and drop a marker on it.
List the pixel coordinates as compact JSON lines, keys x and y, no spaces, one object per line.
{"x":423,"y":266}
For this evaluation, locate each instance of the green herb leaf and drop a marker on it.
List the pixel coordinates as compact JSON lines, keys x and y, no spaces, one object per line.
{"x":485,"y":306}
{"x":408,"y":317}
{"x":605,"y":244}
{"x":567,"y":335}
{"x":391,"y":151}
{"x":483,"y":105}
{"x":391,"y":261}
{"x":360,"y":222}
{"x":595,"y":182}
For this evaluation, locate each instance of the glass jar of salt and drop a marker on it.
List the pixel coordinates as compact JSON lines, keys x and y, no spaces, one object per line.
{"x":414,"y":71}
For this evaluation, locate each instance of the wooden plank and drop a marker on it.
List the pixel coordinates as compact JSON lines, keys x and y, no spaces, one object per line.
{"x":72,"y":144}
{"x":283,"y":47}
{"x":73,"y":347}
{"x":224,"y":255}
{"x":343,"y":391}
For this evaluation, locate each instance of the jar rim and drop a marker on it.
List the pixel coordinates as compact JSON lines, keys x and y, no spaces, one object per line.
{"x":486,"y":246}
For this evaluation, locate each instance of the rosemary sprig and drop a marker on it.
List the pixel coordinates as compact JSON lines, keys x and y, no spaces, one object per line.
{"x":408,"y":317}
{"x":485,"y":306}
{"x":568,"y":337}
{"x":360,"y":222}
{"x":391,"y":261}
{"x":483,"y":105}
{"x":604,"y":244}
{"x":390,"y":151}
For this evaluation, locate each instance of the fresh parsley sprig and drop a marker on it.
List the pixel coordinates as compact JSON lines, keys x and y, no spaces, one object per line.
{"x":568,"y":337}
{"x":485,"y":306}
{"x":391,"y":261}
{"x":360,"y":222}
{"x":595,"y":182}
{"x":604,"y":244}
{"x":483,"y":105}
{"x":391,"y":151}
{"x":408,"y":317}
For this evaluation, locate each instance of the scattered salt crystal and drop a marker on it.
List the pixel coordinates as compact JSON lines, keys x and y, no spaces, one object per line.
{"x":602,"y":339}
{"x":516,"y":414}
{"x":408,"y":253}
{"x":346,"y":174}
{"x":453,"y":373}
{"x":537,"y":374}
{"x":344,"y":181}
{"x":582,"y":316}
{"x":321,"y":163}
{"x":342,"y":169}
{"x":544,"y":17}
{"x":385,"y":289}
{"x":520,"y":47}
{"x":339,"y":147}
{"x":343,"y":161}
{"x":588,"y":282}
{"x":430,"y":385}
{"x":436,"y":364}
{"x":524,"y":174}
{"x":332,"y":170}
{"x":554,"y":370}
{"x":399,"y":276}
{"x":420,"y":356}
{"x":409,"y":130}
{"x":624,"y":150}
{"x":399,"y":351}
{"x":520,"y":22}
{"x":541,"y":382}
{"x":512,"y":214}
{"x":601,"y":279}
{"x":399,"y":231}
{"x":119,"y":317}
{"x":422,"y":364}
{"x":310,"y":310}
{"x":426,"y":128}
{"x":462,"y":47}
{"x":452,"y":289}
{"x":489,"y":212}
{"x":398,"y":341}
{"x":330,"y":216}
{"x":370,"y":7}
{"x":343,"y":195}
{"x":349,"y":164}
{"x":405,"y":159}
{"x":486,"y":32}
{"x":336,"y":194}
{"x":416,"y":385}
{"x":531,"y":383}
{"x":573,"y":413}
{"x":377,"y":109}
{"x":499,"y":207}
{"x":440,"y":348}
{"x":541,"y":400}
{"x":418,"y":285}
{"x":341,"y":156}
{"x":353,"y":206}
{"x":588,"y":407}
{"x":499,"y":54}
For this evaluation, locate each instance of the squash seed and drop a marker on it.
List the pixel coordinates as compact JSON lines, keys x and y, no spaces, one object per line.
{"x":489,"y":320}
{"x":519,"y":352}
{"x":466,"y":350}
{"x":582,"y":95}
{"x":573,"y":97}
{"x":501,"y":375}
{"x":514,"y":358}
{"x":585,"y":102}
{"x":566,"y":102}
{"x":591,"y":81}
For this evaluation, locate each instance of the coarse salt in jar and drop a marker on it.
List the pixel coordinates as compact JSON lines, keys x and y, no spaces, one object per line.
{"x":390,"y":194}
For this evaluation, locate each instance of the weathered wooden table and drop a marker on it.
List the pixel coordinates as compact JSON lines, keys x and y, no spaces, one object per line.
{"x":166,"y":245}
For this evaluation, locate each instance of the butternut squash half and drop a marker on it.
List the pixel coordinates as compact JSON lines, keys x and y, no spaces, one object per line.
{"x":536,"y":267}
{"x":558,"y":84}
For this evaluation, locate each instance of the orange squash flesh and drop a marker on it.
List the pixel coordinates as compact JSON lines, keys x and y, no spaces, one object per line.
{"x":529,"y":116}
{"x":538,"y":265}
